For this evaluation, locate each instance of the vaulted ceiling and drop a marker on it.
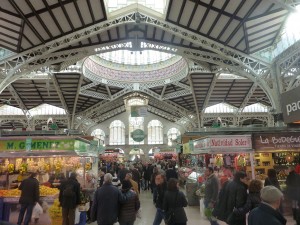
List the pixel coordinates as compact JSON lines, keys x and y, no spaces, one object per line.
{"x":46,"y":37}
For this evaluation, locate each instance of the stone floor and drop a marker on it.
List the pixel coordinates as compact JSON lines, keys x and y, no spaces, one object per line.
{"x":148,"y":212}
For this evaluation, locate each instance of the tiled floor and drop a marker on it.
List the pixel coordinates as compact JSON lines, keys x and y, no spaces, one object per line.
{"x":148,"y":212}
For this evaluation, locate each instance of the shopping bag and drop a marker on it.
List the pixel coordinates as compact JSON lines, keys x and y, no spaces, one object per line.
{"x":139,"y":214}
{"x":37,"y":211}
{"x":202,"y":208}
{"x":77,"y":216}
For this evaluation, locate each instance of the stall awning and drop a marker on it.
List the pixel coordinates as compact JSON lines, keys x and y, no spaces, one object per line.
{"x":223,"y":144}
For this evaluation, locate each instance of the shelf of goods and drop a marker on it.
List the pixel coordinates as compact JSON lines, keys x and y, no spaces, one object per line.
{"x":50,"y":157}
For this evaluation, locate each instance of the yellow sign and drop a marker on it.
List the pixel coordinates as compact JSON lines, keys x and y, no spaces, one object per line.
{"x":186,"y":148}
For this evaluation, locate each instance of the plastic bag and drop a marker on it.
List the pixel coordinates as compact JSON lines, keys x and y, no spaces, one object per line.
{"x":139,"y":214}
{"x":77,"y":216}
{"x":37,"y":211}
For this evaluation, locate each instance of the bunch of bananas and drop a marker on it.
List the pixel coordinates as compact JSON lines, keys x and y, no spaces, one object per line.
{"x":45,"y":191}
{"x":55,"y":210}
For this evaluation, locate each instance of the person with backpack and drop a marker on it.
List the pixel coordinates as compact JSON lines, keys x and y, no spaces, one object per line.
{"x":69,"y":198}
{"x":30,"y":194}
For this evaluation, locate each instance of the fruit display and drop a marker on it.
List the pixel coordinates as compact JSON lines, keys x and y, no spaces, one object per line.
{"x":47,"y":191}
{"x":55,"y":211}
{"x":44,"y":191}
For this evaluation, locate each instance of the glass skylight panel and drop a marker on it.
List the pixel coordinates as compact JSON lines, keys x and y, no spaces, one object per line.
{"x":230,"y":76}
{"x":10,"y":110}
{"x":157,"y":5}
{"x":46,"y":109}
{"x":144,"y":57}
{"x":257,"y":107}
{"x":220,"y":108}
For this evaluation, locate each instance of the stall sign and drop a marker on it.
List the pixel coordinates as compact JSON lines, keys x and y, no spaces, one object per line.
{"x":112,"y":150}
{"x":186,"y":148}
{"x":291,"y":105}
{"x":277,"y":141}
{"x":223,"y":143}
{"x":36,"y":144}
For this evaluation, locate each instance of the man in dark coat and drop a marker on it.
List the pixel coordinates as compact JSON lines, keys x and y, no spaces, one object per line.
{"x":171,"y":173}
{"x":122,"y":172}
{"x":105,"y":208}
{"x":235,"y":196}
{"x":69,"y":198}
{"x":161,"y":188}
{"x":30,"y":194}
{"x":267,"y":212}
{"x":211,"y":191}
{"x":292,"y":189}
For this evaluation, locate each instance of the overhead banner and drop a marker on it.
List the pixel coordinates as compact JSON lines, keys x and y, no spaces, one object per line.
{"x":291,"y":105}
{"x":139,"y":111}
{"x":277,"y":141}
{"x":223,"y":144}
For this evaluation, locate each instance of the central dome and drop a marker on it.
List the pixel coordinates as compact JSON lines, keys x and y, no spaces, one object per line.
{"x":150,"y":67}
{"x":144,"y":57}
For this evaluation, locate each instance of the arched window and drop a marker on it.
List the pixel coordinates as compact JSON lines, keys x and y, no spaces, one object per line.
{"x":99,"y":135}
{"x":155,"y":132}
{"x":117,"y":133}
{"x":172,"y":134}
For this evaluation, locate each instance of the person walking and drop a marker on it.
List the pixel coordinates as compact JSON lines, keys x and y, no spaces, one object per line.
{"x":122,"y":172}
{"x":171,"y":172}
{"x":292,"y":189}
{"x":234,"y":195}
{"x":69,"y":198}
{"x":272,"y":179}
{"x":174,"y":203}
{"x":267,"y":212}
{"x":253,"y":199}
{"x":134,"y":184}
{"x":105,"y":208}
{"x":161,"y":187}
{"x":30,"y":194}
{"x":128,"y":210}
{"x":211,"y":192}
{"x":90,"y":190}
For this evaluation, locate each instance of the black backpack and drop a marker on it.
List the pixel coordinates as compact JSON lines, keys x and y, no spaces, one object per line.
{"x":69,"y":192}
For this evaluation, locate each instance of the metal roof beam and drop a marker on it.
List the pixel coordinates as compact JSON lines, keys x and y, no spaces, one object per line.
{"x":59,"y":92}
{"x":20,"y":102}
{"x":76,"y":100}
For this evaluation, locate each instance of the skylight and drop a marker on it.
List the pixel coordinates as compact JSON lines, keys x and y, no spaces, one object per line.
{"x":10,"y":110}
{"x":257,"y":107}
{"x":221,"y":108}
{"x":144,"y":57}
{"x":289,"y":35}
{"x":46,"y":109}
{"x":157,"y":5}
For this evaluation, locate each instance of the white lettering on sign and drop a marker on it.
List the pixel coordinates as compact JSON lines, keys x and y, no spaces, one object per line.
{"x":294,"y":106}
{"x":230,"y":142}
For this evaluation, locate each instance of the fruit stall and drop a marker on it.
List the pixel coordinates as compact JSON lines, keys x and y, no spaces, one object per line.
{"x":53,"y":158}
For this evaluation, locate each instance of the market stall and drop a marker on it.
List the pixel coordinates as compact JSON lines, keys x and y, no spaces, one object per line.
{"x":278,"y":151}
{"x":136,"y":154}
{"x":53,"y":158}
{"x":112,"y":155}
{"x":233,"y":151}
{"x":165,"y":154}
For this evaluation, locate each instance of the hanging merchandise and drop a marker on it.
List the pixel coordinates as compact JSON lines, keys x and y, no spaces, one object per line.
{"x":219,"y":160}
